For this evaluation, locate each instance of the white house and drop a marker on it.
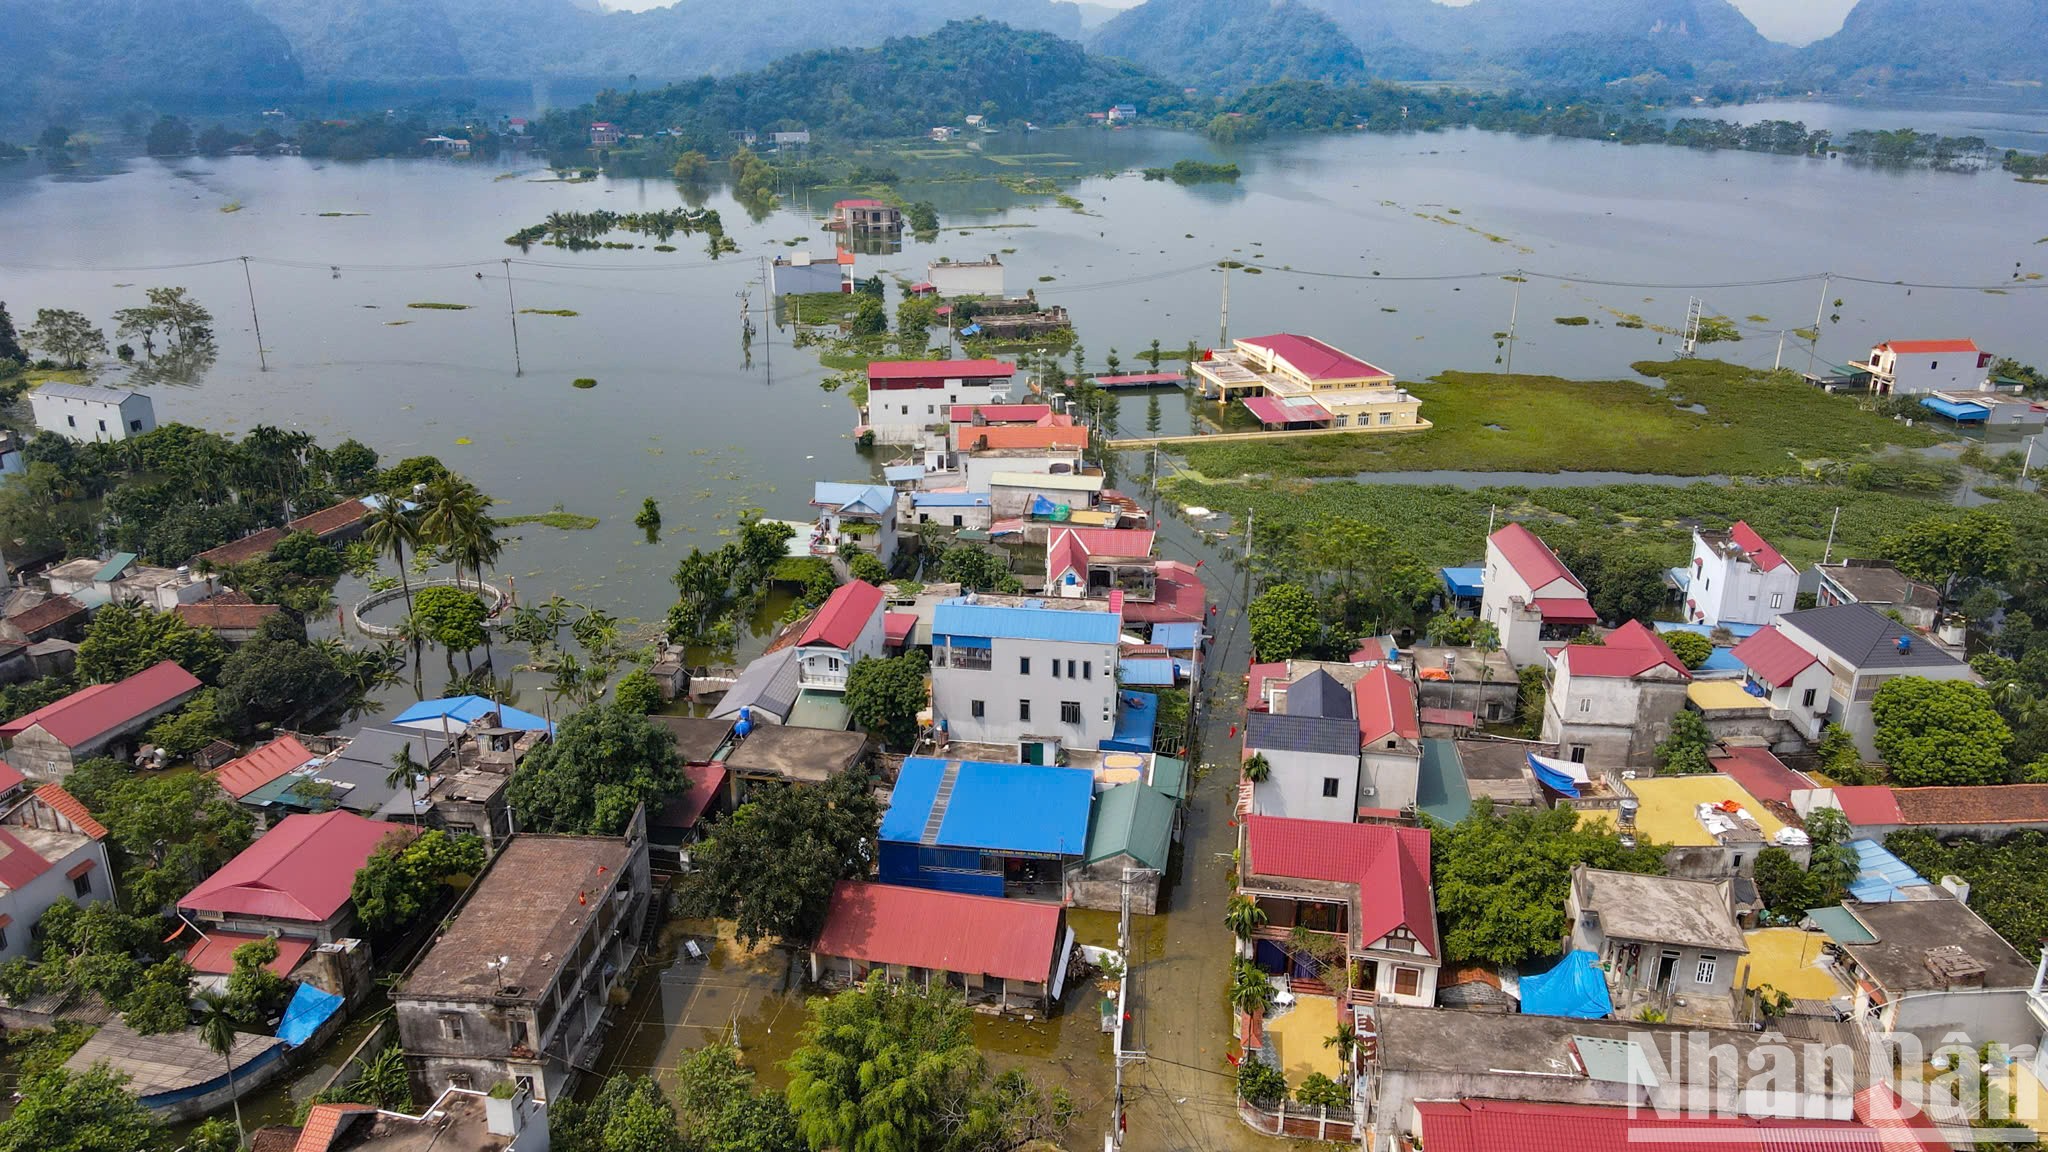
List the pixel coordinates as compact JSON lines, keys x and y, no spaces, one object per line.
{"x":1311,"y":752}
{"x":966,"y":277}
{"x":1035,"y":673}
{"x":863,"y":515}
{"x":1912,"y":367}
{"x":1736,"y":577}
{"x":801,"y":272}
{"x":88,"y":413}
{"x":51,"y":849}
{"x":1861,"y":649}
{"x":1389,"y":739}
{"x":1531,"y":598}
{"x":846,"y":628}
{"x":1610,"y":704}
{"x":1787,"y":676}
{"x":908,"y":399}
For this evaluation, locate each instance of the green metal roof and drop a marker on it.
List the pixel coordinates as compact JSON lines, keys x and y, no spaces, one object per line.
{"x":1440,"y":788}
{"x":1170,"y":776}
{"x":1134,"y":820}
{"x":1841,"y":925}
{"x":113,"y":568}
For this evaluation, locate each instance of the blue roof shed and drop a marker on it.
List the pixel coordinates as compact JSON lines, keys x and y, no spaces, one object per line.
{"x":1018,"y":808}
{"x":1465,"y":583}
{"x":1137,"y":717}
{"x":1031,"y":620}
{"x":1178,"y":635}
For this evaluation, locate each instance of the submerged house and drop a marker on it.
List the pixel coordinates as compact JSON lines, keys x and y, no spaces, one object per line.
{"x":1010,"y":954}
{"x":863,"y":515}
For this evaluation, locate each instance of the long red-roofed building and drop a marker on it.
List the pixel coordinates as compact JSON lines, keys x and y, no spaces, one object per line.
{"x":1290,"y":381}
{"x":1367,"y":885}
{"x":1533,"y":1126}
{"x":262,"y":765}
{"x":96,"y":721}
{"x":1610,"y":704}
{"x":908,"y":397}
{"x":294,"y":880}
{"x":1010,"y":952}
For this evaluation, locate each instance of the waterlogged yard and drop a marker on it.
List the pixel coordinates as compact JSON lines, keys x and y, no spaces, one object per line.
{"x":1683,"y":418}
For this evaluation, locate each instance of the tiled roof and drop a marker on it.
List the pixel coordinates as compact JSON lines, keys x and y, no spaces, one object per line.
{"x":1761,"y":554}
{"x":91,"y":712}
{"x":845,"y":613}
{"x":218,"y":615}
{"x":1531,"y":558}
{"x":2000,"y":804}
{"x":1773,"y":657}
{"x":263,"y":764}
{"x":1315,"y":359}
{"x":1389,"y":863}
{"x":1911,"y":346}
{"x":945,"y":931}
{"x":331,"y":519}
{"x":325,"y":1122}
{"x":1386,"y":706}
{"x":1630,"y":651}
{"x":301,"y":869}
{"x":1867,"y":638}
{"x":72,"y":809}
{"x":48,"y":614}
{"x":247,"y":548}
{"x":1279,"y":732}
{"x":1524,"y":1126}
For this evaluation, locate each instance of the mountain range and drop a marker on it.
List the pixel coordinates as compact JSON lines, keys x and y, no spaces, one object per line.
{"x":198,"y":54}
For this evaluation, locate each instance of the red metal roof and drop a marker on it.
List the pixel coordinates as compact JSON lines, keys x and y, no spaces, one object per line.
{"x":1140,"y":378}
{"x":1910,"y":346}
{"x":1761,"y":554}
{"x":71,"y":808}
{"x":1761,"y":774}
{"x":1316,"y":360}
{"x":1531,"y":558}
{"x":839,"y":622}
{"x":1772,"y":656}
{"x":1868,"y":804}
{"x":247,"y":548}
{"x":246,"y":774}
{"x":299,"y":870}
{"x":685,"y":811}
{"x":1528,"y":1126}
{"x":1001,"y":413}
{"x":864,"y":202}
{"x":1630,"y":650}
{"x":1025,"y":436}
{"x":95,"y":711}
{"x":331,"y":519}
{"x":1389,"y":864}
{"x":19,"y":863}
{"x":948,"y":931}
{"x":215,"y":952}
{"x":10,"y":778}
{"x":1178,"y":596}
{"x":938,"y":369}
{"x":1259,"y":677}
{"x":897,"y":627}
{"x":1566,"y":609}
{"x":1386,"y":706}
{"x":1450,"y":717}
{"x":1269,"y":410}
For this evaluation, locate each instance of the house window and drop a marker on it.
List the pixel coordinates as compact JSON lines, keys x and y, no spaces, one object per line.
{"x":1070,"y":669}
{"x":1386,"y":417}
{"x":82,"y":886}
{"x":451,"y":1027}
{"x":956,"y":522}
{"x":975,"y":709}
{"x":1738,"y":860}
{"x":1070,"y":711}
{"x":1407,"y":981}
{"x":71,"y":421}
{"x":3,"y":939}
{"x":1392,"y":744}
{"x":135,"y":425}
{"x":1329,"y":787}
{"x":518,"y":1033}
{"x":1777,"y":599}
{"x":1578,"y":755}
{"x":1055,"y":669}
{"x":459,"y":1080}
{"x":1023,"y":709}
{"x":1087,"y":669}
{"x":1933,"y":364}
{"x":906,"y":409}
{"x":1704,"y":974}
{"x":1585,"y":704}
{"x":1023,"y":665}
{"x":103,"y":425}
{"x":1806,"y":698}
{"x":832,"y":663}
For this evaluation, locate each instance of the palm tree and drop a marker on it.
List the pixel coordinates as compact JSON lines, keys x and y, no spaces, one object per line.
{"x":406,"y":772}
{"x":391,"y":529}
{"x":1243,"y":916}
{"x":1345,"y":1041}
{"x":217,"y":1028}
{"x":1257,"y":769}
{"x":1250,"y":991}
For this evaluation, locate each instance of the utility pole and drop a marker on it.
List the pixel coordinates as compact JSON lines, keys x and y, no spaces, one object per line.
{"x":518,"y":366}
{"x":1514,"y":314}
{"x":1813,"y":346}
{"x":2028,"y":461}
{"x":1828,"y":552}
{"x":768,"y":333}
{"x":1223,"y":325}
{"x":1779,"y":362}
{"x":263,"y":362}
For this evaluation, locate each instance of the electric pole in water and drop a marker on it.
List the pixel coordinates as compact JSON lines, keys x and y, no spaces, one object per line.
{"x":1223,"y":323}
{"x":263,"y":363}
{"x":1813,"y":346}
{"x":518,"y":366}
{"x":768,"y":333}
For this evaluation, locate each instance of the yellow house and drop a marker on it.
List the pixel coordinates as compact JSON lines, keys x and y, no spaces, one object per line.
{"x":1290,"y":381}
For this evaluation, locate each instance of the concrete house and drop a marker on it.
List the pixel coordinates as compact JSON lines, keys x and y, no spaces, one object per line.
{"x":1004,"y":954}
{"x":1093,"y":562}
{"x":91,"y":414}
{"x":51,"y":849}
{"x":1861,"y":649}
{"x":986,"y":829}
{"x":1286,"y":380}
{"x":122,"y":577}
{"x":1389,"y":740}
{"x":1931,"y":967}
{"x":1791,"y":680}
{"x":1531,"y":598}
{"x":101,"y":720}
{"x":1912,"y":367}
{"x":846,"y":629}
{"x":293,"y":881}
{"x":1712,"y":825}
{"x":966,"y":277}
{"x":517,"y":986}
{"x":1366,"y":885}
{"x":907,"y":398}
{"x":1036,"y":674}
{"x":1311,"y":749}
{"x":865,"y":215}
{"x":1736,"y":577}
{"x":801,"y":273}
{"x":1130,"y":834}
{"x":863,"y":515}
{"x":1660,"y":938}
{"x":1880,"y":584}
{"x":1610,"y":704}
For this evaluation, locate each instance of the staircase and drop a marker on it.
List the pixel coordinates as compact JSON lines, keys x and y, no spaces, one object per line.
{"x":657,"y":915}
{"x":940,"y":800}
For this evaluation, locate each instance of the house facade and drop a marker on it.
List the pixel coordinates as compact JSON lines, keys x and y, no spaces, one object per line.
{"x":1311,"y":751}
{"x":51,"y":849}
{"x":1659,"y":938}
{"x":866,"y":215}
{"x":293,"y":881}
{"x":1861,"y":649}
{"x":801,"y":273}
{"x":516,"y":987}
{"x":1287,"y":379}
{"x":1792,"y":680}
{"x":1002,"y":954}
{"x":91,"y":414}
{"x":863,"y":515}
{"x":1610,"y":704}
{"x":1389,"y":740}
{"x":1037,"y":674}
{"x":966,"y":277}
{"x":846,"y":629}
{"x":1530,"y":597}
{"x":1736,"y":577}
{"x":1913,"y":367}
{"x":908,"y":398}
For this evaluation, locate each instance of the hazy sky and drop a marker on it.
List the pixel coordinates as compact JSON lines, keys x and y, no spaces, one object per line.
{"x":1789,"y":21}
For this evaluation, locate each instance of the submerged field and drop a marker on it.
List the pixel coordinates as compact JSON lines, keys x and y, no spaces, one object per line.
{"x":1753,"y":424}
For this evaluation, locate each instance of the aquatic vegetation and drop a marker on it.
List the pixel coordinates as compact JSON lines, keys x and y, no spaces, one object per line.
{"x":584,"y":382}
{"x":554,"y":518}
{"x":549,"y":312}
{"x":1572,"y":321}
{"x":438,"y":306}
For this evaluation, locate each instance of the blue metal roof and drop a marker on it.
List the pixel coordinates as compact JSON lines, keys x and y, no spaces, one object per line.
{"x":1880,"y":876}
{"x":998,"y":807}
{"x":949,"y":500}
{"x":962,"y":617}
{"x":1149,"y":671}
{"x":1177,"y":635}
{"x":1137,"y":718}
{"x":1681,"y":579}
{"x":896,"y":473}
{"x":1962,"y":413}
{"x":468,"y":710}
{"x":867,"y":499}
{"x":1721,"y":660}
{"x":1465,"y":581}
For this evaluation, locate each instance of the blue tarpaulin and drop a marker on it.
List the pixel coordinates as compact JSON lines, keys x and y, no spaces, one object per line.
{"x":1137,"y":715}
{"x":1576,"y":987}
{"x":1558,"y":775}
{"x":309,"y":1009}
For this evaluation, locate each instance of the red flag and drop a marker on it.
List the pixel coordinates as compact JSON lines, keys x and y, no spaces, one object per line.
{"x":580,"y":899}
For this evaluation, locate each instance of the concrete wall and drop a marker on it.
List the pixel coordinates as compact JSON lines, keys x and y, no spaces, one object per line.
{"x":1296,"y":785}
{"x":900,"y":415}
{"x":1982,"y":1014}
{"x":1935,"y":372}
{"x":1391,"y":774}
{"x":1004,"y":684}
{"x":27,"y":903}
{"x":978,"y":279}
{"x":1101,"y":886}
{"x":92,"y":420}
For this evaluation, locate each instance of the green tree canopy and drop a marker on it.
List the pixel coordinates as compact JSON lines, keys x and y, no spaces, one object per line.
{"x":1684,"y":752}
{"x":884,"y":697}
{"x":66,"y":337}
{"x":1953,"y":552}
{"x":719,"y":1109}
{"x":1285,"y":621}
{"x":451,"y":617}
{"x":1939,"y":732}
{"x":126,"y":637}
{"x":167,"y":832}
{"x":401,"y":881}
{"x":89,"y":1111}
{"x":638,"y":691}
{"x":1691,"y":648}
{"x":603,"y":762}
{"x":278,"y":676}
{"x":628,"y":1114}
{"x":771,"y":865}
{"x":975,"y":569}
{"x":2008,"y":878}
{"x":1501,"y":881}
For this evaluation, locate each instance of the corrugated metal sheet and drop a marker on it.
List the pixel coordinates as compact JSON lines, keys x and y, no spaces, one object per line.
{"x":962,"y":618}
{"x":997,"y":807}
{"x":1177,"y":636}
{"x":944,"y":931}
